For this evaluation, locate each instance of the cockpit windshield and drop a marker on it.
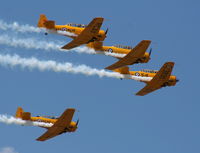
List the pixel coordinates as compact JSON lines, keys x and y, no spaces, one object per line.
{"x":149,"y":71}
{"x":124,"y":47}
{"x":50,"y":117}
{"x":77,"y":25}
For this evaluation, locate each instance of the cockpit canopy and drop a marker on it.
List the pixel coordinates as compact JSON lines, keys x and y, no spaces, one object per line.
{"x":50,"y":117}
{"x":124,"y":47}
{"x":149,"y":71}
{"x":77,"y":25}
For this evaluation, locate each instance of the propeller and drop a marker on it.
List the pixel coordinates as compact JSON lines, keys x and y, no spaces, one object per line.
{"x":150,"y":52}
{"x":106,"y":31}
{"x":77,"y":122}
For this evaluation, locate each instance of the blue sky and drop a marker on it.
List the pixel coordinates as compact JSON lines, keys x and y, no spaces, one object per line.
{"x":112,"y":118}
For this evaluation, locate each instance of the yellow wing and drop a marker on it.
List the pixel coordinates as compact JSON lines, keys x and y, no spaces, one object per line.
{"x":87,"y":35}
{"x":158,"y":80}
{"x":132,"y":57}
{"x":59,"y":127}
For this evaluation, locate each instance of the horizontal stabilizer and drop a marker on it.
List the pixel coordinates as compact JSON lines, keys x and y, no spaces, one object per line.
{"x":50,"y":24}
{"x":26,"y":116}
{"x":122,"y":70}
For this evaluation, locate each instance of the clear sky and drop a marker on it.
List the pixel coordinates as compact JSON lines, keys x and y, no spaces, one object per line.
{"x":112,"y":118}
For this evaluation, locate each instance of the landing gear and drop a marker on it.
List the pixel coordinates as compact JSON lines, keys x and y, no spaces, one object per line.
{"x":92,"y":40}
{"x":138,"y":61}
{"x":165,"y":84}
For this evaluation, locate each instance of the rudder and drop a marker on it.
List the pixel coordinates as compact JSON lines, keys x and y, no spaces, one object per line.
{"x":42,"y":20}
{"x":19,"y":112}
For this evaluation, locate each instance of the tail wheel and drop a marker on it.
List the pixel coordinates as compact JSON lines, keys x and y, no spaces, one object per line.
{"x":110,"y":50}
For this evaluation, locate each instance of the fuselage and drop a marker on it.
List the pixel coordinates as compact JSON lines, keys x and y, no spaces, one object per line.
{"x":119,"y":49}
{"x":152,"y":73}
{"x":77,"y":31}
{"x":145,"y":75}
{"x":71,"y":128}
{"x":74,"y":28}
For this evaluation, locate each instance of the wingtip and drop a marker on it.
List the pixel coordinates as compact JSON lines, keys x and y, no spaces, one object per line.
{"x":64,"y":47}
{"x":99,"y":18}
{"x":146,"y":41}
{"x":107,"y":68}
{"x":171,"y":63}
{"x":137,"y":94}
{"x":39,"y":139}
{"x":71,"y":109}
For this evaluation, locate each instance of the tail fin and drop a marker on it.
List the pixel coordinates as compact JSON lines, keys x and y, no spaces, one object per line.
{"x":96,"y":45}
{"x":45,"y":23}
{"x":42,"y":20}
{"x":122,"y":70}
{"x":19,"y":112}
{"x":23,"y":115}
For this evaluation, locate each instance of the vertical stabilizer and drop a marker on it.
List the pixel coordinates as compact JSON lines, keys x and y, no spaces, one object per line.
{"x":43,"y":19}
{"x":19,"y":112}
{"x":23,"y":115}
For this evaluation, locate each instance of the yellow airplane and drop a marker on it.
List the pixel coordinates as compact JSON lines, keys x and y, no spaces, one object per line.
{"x":61,"y":124}
{"x":83,"y":34}
{"x":154,"y":79}
{"x":131,"y":56}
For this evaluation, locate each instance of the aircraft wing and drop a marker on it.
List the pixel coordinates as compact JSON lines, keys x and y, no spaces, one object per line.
{"x":59,"y":127}
{"x":132,"y":57}
{"x":87,"y":34}
{"x":158,"y":80}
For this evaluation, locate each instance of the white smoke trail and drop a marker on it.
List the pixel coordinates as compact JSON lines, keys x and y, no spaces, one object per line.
{"x":64,"y":33}
{"x":15,"y":26}
{"x":31,"y":63}
{"x":19,"y":28}
{"x":117,"y":55}
{"x":28,"y":43}
{"x":8,"y":150}
{"x":32,"y":43}
{"x":12,"y":120}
